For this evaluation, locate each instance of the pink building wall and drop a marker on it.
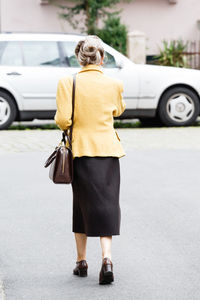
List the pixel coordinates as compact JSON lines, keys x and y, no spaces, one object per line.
{"x":156,"y":18}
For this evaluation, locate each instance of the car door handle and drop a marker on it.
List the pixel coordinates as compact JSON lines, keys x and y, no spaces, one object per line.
{"x":13,"y":73}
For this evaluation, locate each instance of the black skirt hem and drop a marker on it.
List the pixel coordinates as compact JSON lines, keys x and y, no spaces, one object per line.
{"x":97,"y":235}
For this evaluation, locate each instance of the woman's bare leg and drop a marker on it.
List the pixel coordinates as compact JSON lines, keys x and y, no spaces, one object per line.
{"x":81,"y":242}
{"x":106,"y":242}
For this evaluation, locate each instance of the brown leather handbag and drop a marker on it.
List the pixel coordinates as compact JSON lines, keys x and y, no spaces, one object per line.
{"x":61,"y":160}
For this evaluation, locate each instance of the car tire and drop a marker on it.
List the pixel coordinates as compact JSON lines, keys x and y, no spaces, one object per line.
{"x":179,"y":106}
{"x":8,"y":110}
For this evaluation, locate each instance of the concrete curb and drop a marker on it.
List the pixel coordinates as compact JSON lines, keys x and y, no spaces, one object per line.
{"x":2,"y":293}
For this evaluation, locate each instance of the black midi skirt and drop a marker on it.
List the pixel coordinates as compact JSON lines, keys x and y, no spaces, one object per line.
{"x":96,"y":187}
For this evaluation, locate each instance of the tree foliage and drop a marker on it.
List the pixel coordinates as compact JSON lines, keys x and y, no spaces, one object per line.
{"x":90,"y":10}
{"x":86,"y":14}
{"x":114,"y":33}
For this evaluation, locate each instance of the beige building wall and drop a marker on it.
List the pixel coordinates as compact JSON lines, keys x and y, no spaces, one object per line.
{"x":158,"y":19}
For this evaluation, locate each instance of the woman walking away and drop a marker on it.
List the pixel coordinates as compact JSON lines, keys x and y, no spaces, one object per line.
{"x":96,"y":149}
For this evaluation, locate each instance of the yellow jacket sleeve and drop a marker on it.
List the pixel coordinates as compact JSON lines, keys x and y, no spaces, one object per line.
{"x":64,"y":104}
{"x":120,"y":104}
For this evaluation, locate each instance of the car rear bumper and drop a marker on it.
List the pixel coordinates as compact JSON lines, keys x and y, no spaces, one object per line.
{"x":138,"y":113}
{"x":30,"y":115}
{"x":49,"y":114}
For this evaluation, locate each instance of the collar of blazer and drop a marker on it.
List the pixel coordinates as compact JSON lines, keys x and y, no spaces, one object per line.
{"x":91,"y":67}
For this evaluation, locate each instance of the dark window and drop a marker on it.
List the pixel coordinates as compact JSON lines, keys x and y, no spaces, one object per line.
{"x":10,"y":54}
{"x":39,"y":53}
{"x":150,"y":59}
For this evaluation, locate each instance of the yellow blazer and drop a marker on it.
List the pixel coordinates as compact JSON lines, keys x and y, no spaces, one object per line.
{"x":97,"y":99}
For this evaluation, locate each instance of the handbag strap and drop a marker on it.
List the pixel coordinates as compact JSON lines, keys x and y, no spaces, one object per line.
{"x":64,"y":134}
{"x":73,"y":103}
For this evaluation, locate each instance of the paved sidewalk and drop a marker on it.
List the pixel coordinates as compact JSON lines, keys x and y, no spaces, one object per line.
{"x":156,"y":256}
{"x":148,"y":138}
{"x":2,"y":293}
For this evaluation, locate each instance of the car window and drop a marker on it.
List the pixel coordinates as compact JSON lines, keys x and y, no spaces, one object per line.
{"x":109,"y":61}
{"x":70,"y":58}
{"x":38,"y":53}
{"x":69,"y":55}
{"x":10,"y":54}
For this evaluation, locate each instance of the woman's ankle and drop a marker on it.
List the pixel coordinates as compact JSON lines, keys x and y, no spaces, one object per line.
{"x":108,"y":255}
{"x":80,"y":258}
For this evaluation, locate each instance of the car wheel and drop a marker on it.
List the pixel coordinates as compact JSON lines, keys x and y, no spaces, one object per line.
{"x":179,"y":107}
{"x":153,"y":122}
{"x":8,"y":110}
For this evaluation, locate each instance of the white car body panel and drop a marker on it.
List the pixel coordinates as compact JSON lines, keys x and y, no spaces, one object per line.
{"x":4,"y":84}
{"x":35,"y":87}
{"x":156,"y":79}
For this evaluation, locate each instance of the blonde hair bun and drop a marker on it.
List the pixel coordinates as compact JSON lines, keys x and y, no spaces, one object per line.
{"x":90,"y":50}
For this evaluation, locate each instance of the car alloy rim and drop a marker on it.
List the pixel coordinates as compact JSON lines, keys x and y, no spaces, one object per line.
{"x":4,"y":111}
{"x":180,"y":107}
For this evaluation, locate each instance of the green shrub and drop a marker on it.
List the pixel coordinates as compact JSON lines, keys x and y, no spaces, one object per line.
{"x":172,"y":54}
{"x":114,"y":33}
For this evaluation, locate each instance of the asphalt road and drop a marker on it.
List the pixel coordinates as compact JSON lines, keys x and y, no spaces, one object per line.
{"x":156,"y":257}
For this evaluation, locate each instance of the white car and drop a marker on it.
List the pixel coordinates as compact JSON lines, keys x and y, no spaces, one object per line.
{"x":31,"y":65}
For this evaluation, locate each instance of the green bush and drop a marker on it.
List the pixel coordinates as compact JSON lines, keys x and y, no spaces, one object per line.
{"x":172,"y":54}
{"x":114,"y":33}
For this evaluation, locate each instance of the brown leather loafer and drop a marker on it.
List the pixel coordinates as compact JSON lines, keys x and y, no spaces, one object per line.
{"x":106,"y":274}
{"x":81,"y":268}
